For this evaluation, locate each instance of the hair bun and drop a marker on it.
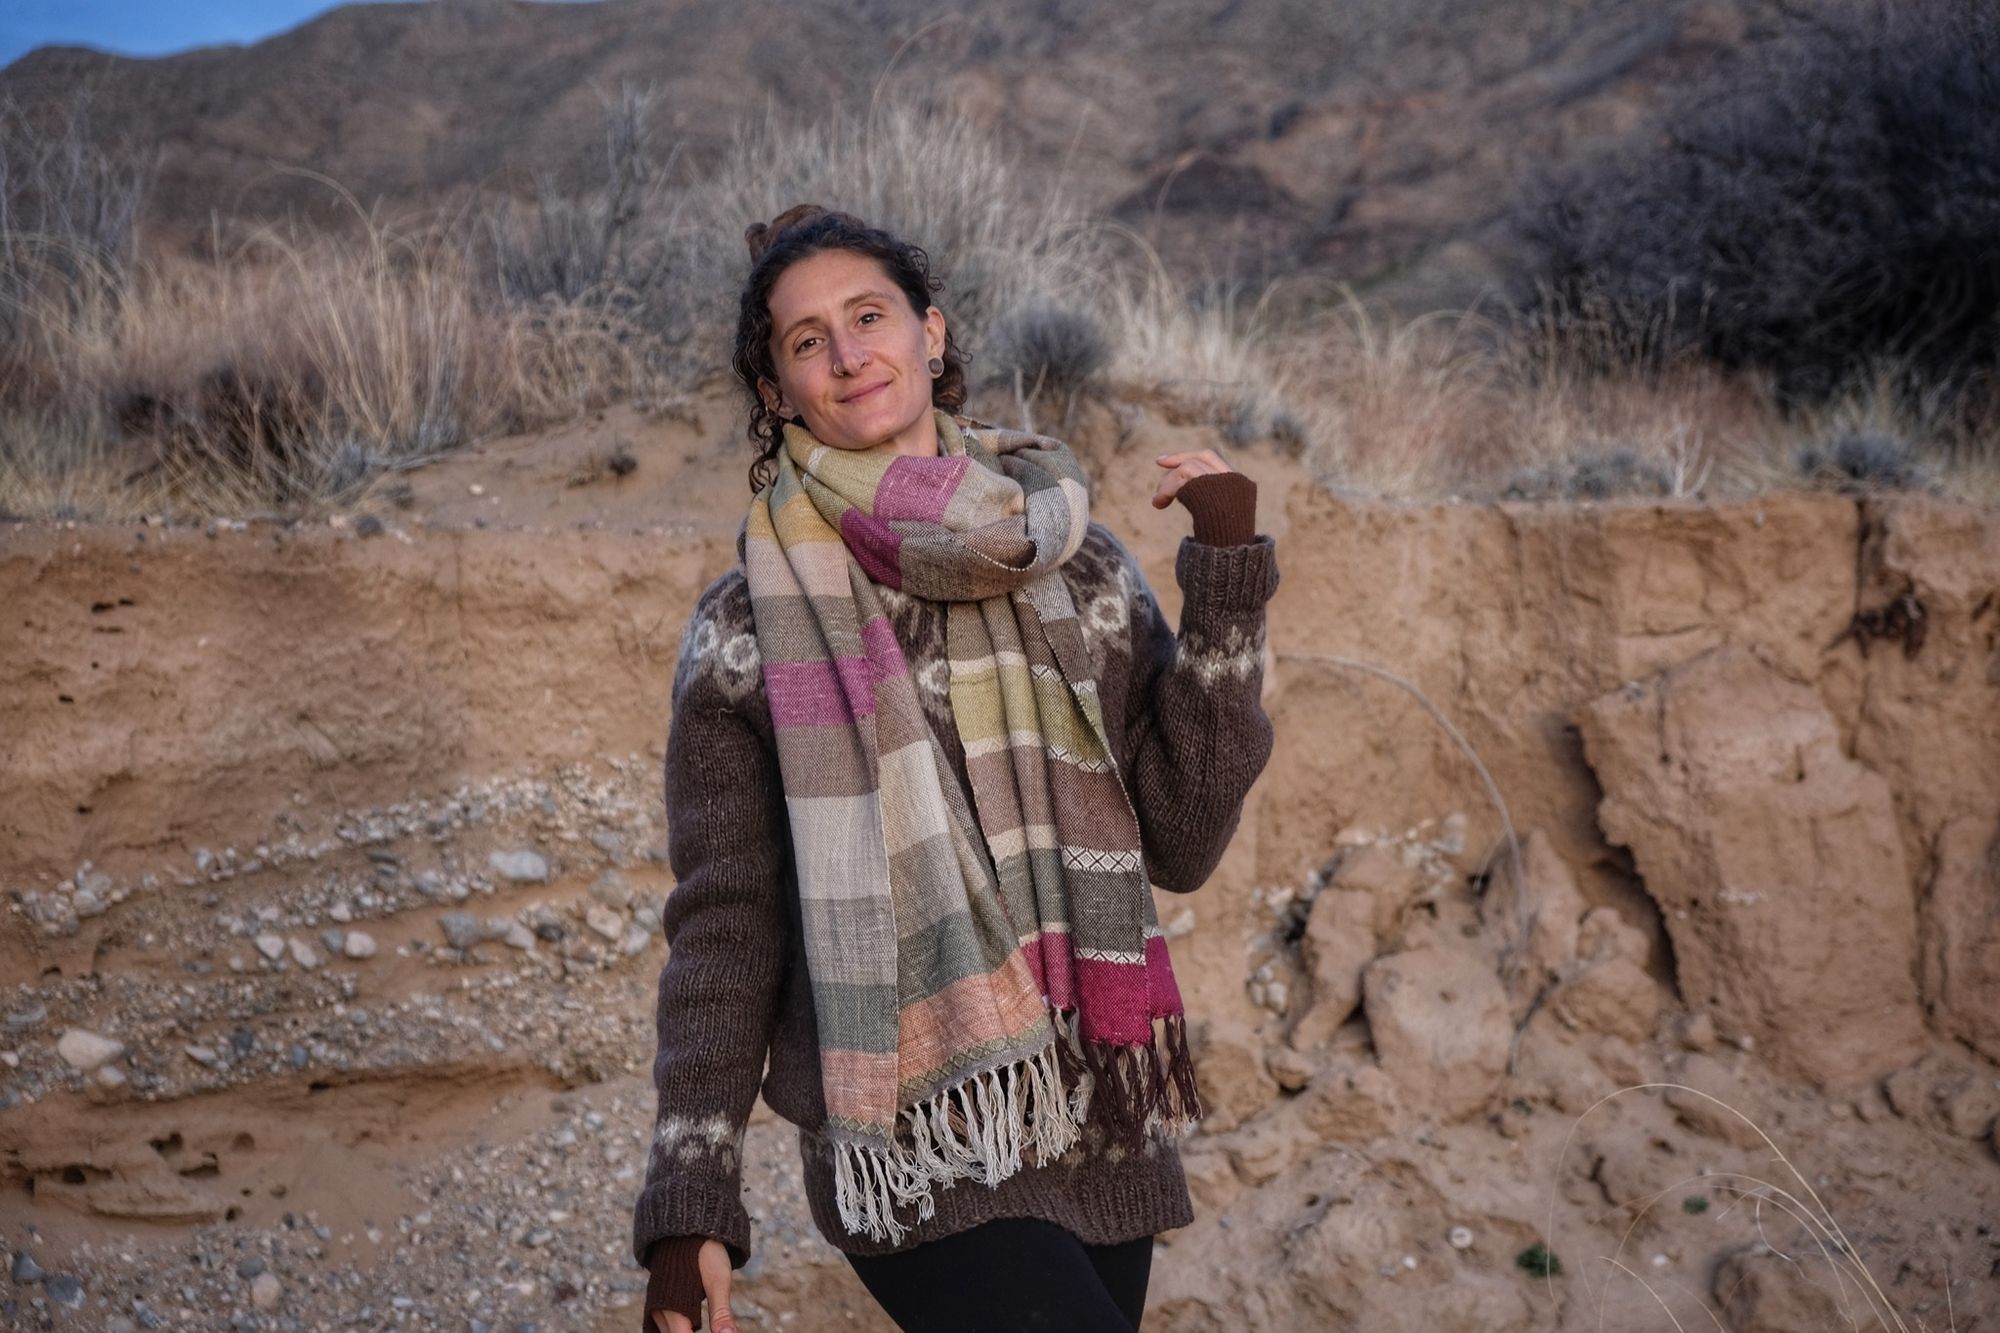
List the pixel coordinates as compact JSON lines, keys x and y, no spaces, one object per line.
{"x":759,"y":235}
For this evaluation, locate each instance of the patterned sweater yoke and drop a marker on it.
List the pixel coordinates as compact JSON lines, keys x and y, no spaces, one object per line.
{"x":734,"y":1014}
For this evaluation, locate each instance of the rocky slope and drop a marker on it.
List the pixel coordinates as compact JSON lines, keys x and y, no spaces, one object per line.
{"x":333,"y":860}
{"x":1381,"y":142}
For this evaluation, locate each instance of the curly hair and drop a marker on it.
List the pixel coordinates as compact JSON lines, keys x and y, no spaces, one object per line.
{"x":808,"y":229}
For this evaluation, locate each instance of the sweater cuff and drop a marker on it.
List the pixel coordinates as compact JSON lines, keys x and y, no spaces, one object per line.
{"x":689,"y":1206}
{"x":675,"y":1283}
{"x":1224,"y":506}
{"x":1227,"y":578}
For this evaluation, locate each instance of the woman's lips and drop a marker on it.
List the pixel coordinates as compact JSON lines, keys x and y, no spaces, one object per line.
{"x":866,"y":393}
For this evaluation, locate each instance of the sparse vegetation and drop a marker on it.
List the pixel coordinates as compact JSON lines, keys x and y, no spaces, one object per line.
{"x":1539,"y":1260}
{"x":289,"y":368}
{"x":1824,"y":204}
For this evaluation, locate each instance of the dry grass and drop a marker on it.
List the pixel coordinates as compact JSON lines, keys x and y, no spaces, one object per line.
{"x":1851,"y":1286}
{"x":289,"y":367}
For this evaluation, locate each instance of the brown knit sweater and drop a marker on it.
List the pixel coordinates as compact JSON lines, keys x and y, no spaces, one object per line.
{"x":1184,"y":717}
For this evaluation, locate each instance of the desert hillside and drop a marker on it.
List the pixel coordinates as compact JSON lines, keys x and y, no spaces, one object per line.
{"x":335,"y":863}
{"x":1378,"y":142}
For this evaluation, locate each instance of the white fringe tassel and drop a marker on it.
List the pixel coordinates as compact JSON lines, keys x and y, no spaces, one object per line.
{"x":1002,"y":1111}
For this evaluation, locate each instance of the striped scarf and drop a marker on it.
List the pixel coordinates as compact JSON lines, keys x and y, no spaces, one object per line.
{"x":977,"y":979}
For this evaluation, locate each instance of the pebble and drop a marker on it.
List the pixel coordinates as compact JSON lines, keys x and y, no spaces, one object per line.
{"x":1460,"y":1238}
{"x":26,"y":1269}
{"x":611,"y":889}
{"x":271,"y":946}
{"x":65,"y":1290}
{"x":604,"y":921}
{"x":266,"y":1291}
{"x":359,"y":944}
{"x":522,"y":867}
{"x":304,"y":954}
{"x":519,"y":936}
{"x":86,"y":1050}
{"x":461,"y":930}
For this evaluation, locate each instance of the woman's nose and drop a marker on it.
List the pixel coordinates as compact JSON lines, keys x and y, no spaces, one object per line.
{"x":848,"y":354}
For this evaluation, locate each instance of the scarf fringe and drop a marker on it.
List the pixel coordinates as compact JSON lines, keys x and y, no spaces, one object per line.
{"x":977,"y":1129}
{"x":973,"y":1130}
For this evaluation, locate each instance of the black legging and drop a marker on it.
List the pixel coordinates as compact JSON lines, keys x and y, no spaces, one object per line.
{"x":1009,"y":1275}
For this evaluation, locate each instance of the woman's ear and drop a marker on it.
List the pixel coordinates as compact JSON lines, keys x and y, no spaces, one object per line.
{"x":773,"y":400}
{"x":933,"y":332}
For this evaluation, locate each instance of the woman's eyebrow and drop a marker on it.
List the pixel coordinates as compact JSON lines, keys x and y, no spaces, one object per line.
{"x":848,"y":304}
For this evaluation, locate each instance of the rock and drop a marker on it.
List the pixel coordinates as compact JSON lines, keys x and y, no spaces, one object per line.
{"x":1441,"y":1028}
{"x":1605,"y":933}
{"x":1776,"y":859}
{"x":83,"y":1049}
{"x":1375,"y":870}
{"x":266,"y":1291}
{"x":1229,"y":1070}
{"x":1614,"y":996}
{"x":635,"y":940}
{"x":461,"y":930}
{"x":1548,"y":903}
{"x":611,"y":889}
{"x":1702,"y":1074}
{"x":303,"y":953}
{"x":518,"y":936}
{"x":1961,"y":934}
{"x":521,"y":867}
{"x":271,"y":945}
{"x":1292,"y":1070}
{"x":1764,"y":1292}
{"x":358,"y":944}
{"x":1339,"y":942}
{"x":203,"y":1055}
{"x":1947,"y":1092}
{"x":1698,"y":1033}
{"x":25,"y":1268}
{"x":1351,"y":1105}
{"x":604,"y":921}
{"x":1265,"y":1147}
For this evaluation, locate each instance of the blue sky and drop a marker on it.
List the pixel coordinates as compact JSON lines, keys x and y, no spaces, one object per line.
{"x":145,"y":27}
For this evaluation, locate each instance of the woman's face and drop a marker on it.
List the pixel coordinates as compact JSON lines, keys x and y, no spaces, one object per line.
{"x":851,"y":354}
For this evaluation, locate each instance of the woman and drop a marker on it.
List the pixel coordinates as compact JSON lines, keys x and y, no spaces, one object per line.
{"x":932,"y":740}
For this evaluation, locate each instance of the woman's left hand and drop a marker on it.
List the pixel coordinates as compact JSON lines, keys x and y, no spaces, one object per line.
{"x":1184,"y":468}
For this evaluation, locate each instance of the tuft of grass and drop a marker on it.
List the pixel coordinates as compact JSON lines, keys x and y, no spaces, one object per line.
{"x":1799,"y":1202}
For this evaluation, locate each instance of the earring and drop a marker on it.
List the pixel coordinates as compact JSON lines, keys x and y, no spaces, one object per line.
{"x":936,"y":367}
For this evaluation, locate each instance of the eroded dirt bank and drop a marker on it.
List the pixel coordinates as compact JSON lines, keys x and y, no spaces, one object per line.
{"x":347,"y":846}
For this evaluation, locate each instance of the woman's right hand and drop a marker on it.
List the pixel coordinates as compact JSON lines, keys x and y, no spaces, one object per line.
{"x":713,"y":1262}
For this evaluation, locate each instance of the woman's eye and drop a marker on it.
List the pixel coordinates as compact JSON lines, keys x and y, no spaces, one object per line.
{"x":872,"y":314}
{"x":804,"y":343}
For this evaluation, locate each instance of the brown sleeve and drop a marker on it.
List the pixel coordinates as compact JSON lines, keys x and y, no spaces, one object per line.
{"x":728,"y":844}
{"x":1196,"y":734}
{"x":1224,"y":506}
{"x":675,"y":1282}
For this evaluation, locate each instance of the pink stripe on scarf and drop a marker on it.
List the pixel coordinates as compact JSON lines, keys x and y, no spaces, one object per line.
{"x":918,"y":488}
{"x":878,"y":549}
{"x":819,"y":693}
{"x":1114,"y":1002}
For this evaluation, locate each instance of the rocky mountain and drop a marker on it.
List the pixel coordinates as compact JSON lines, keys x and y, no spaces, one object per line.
{"x":1381,"y":142}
